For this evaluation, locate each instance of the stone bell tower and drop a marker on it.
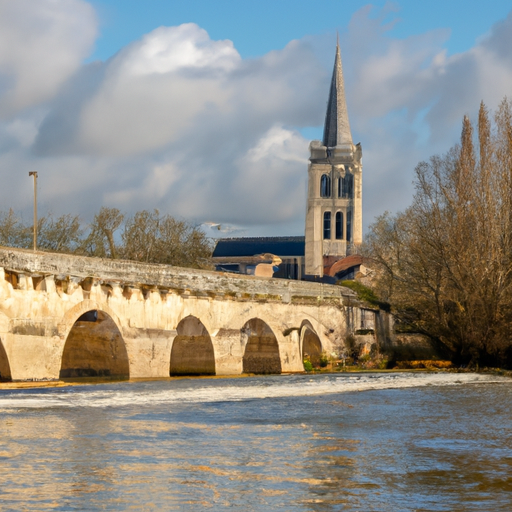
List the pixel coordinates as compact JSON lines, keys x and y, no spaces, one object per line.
{"x":334,"y":224}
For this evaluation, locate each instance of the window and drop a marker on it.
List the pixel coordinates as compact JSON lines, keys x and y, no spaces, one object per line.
{"x":339,"y":226}
{"x":327,"y":225}
{"x":346,"y":186}
{"x":350,"y":185}
{"x":349,"y":226}
{"x":325,"y":186}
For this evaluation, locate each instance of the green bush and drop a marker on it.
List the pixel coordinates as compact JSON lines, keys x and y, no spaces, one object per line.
{"x":307,"y":365}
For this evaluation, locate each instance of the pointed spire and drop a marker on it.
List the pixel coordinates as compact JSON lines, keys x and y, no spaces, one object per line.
{"x":337,"y":127}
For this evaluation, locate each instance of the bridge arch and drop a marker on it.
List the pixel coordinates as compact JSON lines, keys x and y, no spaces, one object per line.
{"x":94,"y":345}
{"x":5,"y":368}
{"x":310,"y":343}
{"x":192,"y":350}
{"x":260,"y":348}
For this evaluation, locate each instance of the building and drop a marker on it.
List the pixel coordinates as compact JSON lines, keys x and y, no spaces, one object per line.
{"x":334,"y":209}
{"x":247,"y":256}
{"x":334,"y":224}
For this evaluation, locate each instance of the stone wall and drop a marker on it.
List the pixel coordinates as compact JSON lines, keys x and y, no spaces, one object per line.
{"x":43,"y":295}
{"x":165,"y":277}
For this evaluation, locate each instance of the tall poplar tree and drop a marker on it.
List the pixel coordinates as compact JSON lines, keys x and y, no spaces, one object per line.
{"x":445,"y":264}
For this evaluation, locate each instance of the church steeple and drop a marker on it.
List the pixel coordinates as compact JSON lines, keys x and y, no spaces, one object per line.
{"x":334,"y":226}
{"x":337,"y":128}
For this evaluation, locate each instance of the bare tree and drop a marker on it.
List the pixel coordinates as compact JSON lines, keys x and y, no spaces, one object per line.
{"x":62,"y":234}
{"x":140,"y":236}
{"x":101,"y":241}
{"x":446,"y":262}
{"x":153,"y":238}
{"x":13,"y":232}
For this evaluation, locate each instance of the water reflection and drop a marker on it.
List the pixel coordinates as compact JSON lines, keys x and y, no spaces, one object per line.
{"x":216,"y":445}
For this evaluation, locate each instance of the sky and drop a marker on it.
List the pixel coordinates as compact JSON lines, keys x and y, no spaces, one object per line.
{"x":205,"y":109}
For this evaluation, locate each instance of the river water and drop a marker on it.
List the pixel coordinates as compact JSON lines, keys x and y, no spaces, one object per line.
{"x":355,"y":442}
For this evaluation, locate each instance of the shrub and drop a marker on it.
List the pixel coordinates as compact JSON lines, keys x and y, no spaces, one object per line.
{"x":307,"y":365}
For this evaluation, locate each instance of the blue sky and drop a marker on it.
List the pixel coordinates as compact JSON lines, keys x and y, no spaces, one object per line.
{"x":259,"y":27}
{"x":205,"y":109}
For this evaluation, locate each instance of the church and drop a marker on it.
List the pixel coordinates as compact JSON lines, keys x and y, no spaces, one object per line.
{"x":334,"y":224}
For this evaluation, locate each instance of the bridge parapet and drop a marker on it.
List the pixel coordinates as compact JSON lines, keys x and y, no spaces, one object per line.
{"x":65,"y":315}
{"x":85,"y":270}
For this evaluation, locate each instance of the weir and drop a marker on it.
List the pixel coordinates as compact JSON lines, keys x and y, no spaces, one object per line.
{"x":65,"y":316}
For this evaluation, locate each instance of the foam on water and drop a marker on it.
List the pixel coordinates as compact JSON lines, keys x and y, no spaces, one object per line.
{"x":216,"y":390}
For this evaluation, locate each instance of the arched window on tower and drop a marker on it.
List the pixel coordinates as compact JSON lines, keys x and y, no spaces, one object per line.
{"x":339,"y":225}
{"x":346,"y":186}
{"x":327,"y":225}
{"x":349,"y":226}
{"x":325,"y":186}
{"x":350,"y":185}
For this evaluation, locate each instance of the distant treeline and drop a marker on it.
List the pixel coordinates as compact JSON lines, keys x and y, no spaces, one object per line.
{"x":146,"y":236}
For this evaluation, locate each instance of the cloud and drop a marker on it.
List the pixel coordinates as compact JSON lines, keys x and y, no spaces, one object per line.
{"x":274,"y":169}
{"x":180,"y":122}
{"x":168,"y":49}
{"x":407,"y":98}
{"x":41,"y":44}
{"x":177,"y":84}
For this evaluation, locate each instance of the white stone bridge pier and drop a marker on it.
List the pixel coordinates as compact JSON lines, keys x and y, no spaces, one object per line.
{"x":64,"y":316}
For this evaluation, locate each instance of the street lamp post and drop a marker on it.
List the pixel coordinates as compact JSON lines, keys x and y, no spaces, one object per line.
{"x":34,"y":173}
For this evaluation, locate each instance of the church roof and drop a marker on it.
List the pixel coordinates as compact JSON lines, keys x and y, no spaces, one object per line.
{"x":249,"y":246}
{"x":337,"y":127}
{"x":344,"y":264}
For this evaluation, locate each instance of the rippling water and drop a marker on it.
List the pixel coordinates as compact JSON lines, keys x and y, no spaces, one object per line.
{"x":386,"y":442}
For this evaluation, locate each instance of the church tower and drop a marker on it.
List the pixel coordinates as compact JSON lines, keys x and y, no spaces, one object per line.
{"x":334,"y":223}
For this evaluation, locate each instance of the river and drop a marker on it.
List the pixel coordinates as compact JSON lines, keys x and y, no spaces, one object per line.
{"x":348,"y":442}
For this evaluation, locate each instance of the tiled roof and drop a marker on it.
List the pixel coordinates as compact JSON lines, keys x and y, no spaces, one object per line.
{"x":343,"y":264}
{"x":249,"y":246}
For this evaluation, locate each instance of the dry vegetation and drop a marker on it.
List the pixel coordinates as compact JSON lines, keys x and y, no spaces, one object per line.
{"x":445,"y":263}
{"x":147,"y":237}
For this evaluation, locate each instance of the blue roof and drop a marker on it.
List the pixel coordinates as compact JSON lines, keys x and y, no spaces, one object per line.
{"x":278,"y":245}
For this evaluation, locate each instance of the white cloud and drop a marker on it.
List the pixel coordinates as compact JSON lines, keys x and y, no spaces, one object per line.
{"x":168,"y":49}
{"x":115,"y":109}
{"x":277,"y":143}
{"x":144,"y":113}
{"x":271,"y":177}
{"x":153,"y":89}
{"x":196,"y":118}
{"x":41,"y":44}
{"x":153,"y":188}
{"x":179,"y":122}
{"x":407,"y":99}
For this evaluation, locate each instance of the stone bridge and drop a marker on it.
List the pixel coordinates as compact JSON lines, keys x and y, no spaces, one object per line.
{"x":64,"y":316}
